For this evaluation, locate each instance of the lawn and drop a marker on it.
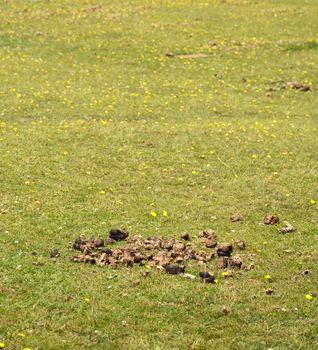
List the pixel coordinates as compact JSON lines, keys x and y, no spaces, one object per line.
{"x":164,"y":117}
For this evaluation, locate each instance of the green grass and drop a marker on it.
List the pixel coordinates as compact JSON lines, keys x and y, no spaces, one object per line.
{"x":308,"y":45}
{"x":81,"y":89}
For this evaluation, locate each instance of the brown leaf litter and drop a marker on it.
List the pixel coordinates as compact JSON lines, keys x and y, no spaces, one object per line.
{"x":185,"y":236}
{"x":148,"y":143}
{"x":54,"y":253}
{"x":225,"y":249}
{"x":281,"y":85}
{"x":95,"y":8}
{"x":271,"y":219}
{"x":269,"y":291}
{"x":288,"y":228}
{"x":299,"y":86}
{"x":225,"y":310}
{"x":164,"y":253}
{"x":207,"y":277}
{"x":236,"y":217}
{"x":168,"y":254}
{"x":240,"y":244}
{"x":209,"y":238}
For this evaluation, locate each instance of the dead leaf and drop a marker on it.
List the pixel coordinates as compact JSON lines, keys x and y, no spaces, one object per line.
{"x":174,"y":269}
{"x":118,"y":234}
{"x":54,"y":253}
{"x":225,"y":310}
{"x":269,"y":291}
{"x":148,"y":144}
{"x":225,"y":249}
{"x":210,"y":242}
{"x":4,"y":210}
{"x":185,"y":236}
{"x":299,"y":86}
{"x":236,"y":217}
{"x":208,"y":234}
{"x":162,"y":260}
{"x":271,"y":219}
{"x":94,"y":8}
{"x":222,"y":263}
{"x":235,"y":261}
{"x":240,"y":244}
{"x":287,"y":229}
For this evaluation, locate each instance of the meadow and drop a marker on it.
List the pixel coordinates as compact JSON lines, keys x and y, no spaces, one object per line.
{"x":163,"y":116}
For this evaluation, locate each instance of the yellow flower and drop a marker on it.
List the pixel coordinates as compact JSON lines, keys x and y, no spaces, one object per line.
{"x":148,"y":267}
{"x":268,"y":277}
{"x":2,"y":345}
{"x":164,"y":213}
{"x":254,"y":156}
{"x":224,"y":273}
{"x":65,"y":153}
{"x":21,"y":335}
{"x":312,"y":202}
{"x":216,"y":281}
{"x":26,"y":349}
{"x":87,"y":300}
{"x":102,"y":192}
{"x":309,"y":296}
{"x":153,"y":214}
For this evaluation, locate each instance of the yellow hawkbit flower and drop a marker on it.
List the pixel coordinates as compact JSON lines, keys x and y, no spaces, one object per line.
{"x":309,"y":296}
{"x":312,"y":202}
{"x":164,"y":213}
{"x":2,"y":345}
{"x":87,"y":300}
{"x":268,"y":277}
{"x":21,"y":335}
{"x":153,"y":214}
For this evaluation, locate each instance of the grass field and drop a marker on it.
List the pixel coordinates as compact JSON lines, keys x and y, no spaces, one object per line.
{"x":99,"y":127}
